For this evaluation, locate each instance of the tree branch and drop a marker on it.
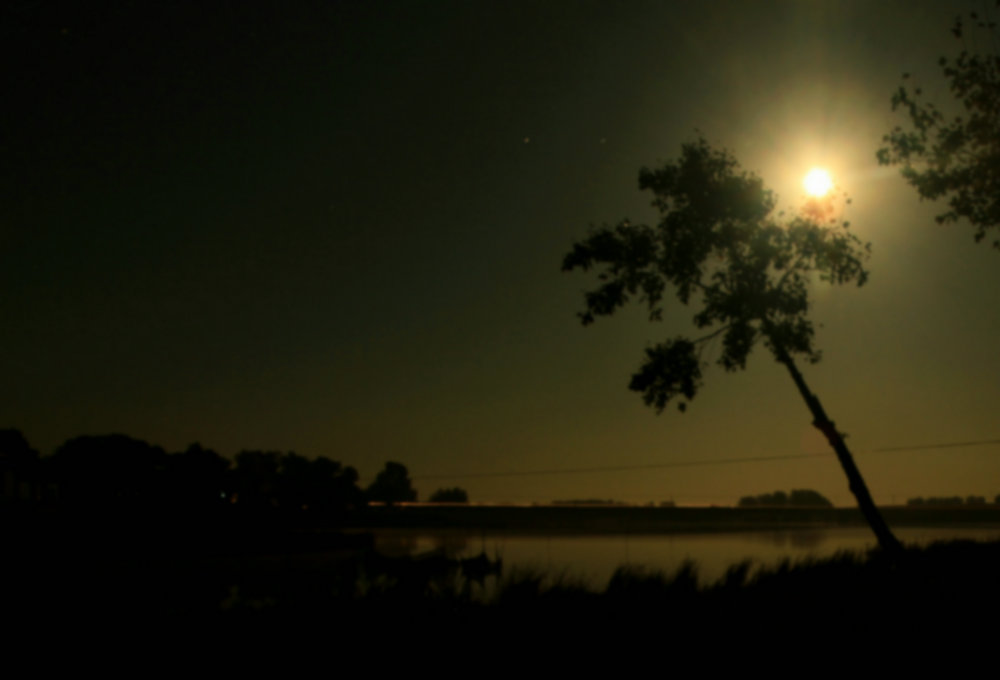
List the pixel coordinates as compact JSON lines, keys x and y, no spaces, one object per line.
{"x":713,"y":334}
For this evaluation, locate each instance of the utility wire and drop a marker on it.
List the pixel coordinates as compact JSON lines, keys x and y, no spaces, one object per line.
{"x":950,"y":445}
{"x":615,"y":468}
{"x":697,"y":463}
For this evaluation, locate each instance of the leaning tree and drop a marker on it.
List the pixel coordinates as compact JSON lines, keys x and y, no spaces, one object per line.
{"x":720,"y":247}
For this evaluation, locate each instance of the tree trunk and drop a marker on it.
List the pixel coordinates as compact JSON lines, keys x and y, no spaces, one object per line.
{"x":886,"y":540}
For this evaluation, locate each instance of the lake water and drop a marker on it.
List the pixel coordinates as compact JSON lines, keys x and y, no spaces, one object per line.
{"x":594,"y":558}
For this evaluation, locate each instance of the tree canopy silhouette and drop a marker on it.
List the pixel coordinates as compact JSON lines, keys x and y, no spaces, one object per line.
{"x":392,"y":485}
{"x":293,"y":482}
{"x":957,"y":158}
{"x":721,"y":248}
{"x":108,"y":470}
{"x":20,"y":467}
{"x":450,"y":495}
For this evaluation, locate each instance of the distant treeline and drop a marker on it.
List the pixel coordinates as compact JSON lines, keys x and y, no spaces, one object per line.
{"x":453,"y":495}
{"x":119,"y":472}
{"x":951,"y":500}
{"x":610,"y":502}
{"x":810,"y":498}
{"x":795,"y":498}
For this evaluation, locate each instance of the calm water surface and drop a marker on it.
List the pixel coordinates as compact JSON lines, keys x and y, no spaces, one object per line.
{"x":593,"y":559}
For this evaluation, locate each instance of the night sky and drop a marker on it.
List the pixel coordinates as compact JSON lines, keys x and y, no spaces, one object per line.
{"x":337,"y":228}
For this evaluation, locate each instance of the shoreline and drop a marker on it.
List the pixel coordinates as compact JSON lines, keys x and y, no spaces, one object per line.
{"x":560,"y":519}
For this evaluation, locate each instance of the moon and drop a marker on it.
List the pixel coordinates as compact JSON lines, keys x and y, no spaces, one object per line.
{"x":817,"y":182}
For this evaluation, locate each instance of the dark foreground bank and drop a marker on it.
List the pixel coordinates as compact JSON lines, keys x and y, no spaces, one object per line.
{"x":257,"y":575}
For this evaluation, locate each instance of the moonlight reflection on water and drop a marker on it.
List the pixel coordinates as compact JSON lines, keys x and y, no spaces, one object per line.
{"x":594,"y":558}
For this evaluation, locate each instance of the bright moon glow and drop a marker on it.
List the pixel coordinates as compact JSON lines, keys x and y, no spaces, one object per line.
{"x":817,"y":182}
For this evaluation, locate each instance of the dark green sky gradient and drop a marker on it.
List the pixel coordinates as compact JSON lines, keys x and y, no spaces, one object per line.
{"x":321,"y":229}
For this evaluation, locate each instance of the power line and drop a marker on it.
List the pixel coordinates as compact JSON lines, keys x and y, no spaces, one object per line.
{"x":615,"y":468}
{"x":697,"y":463}
{"x":950,"y":445}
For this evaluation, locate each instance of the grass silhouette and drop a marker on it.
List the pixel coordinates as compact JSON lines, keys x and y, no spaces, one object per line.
{"x":919,"y":593}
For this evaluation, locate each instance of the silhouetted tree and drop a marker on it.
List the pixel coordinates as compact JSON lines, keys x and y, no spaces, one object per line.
{"x":20,"y":475}
{"x":109,"y":470}
{"x":338,"y":485}
{"x":256,"y":478}
{"x":955,"y":158}
{"x":719,"y":243}
{"x":318,"y":485}
{"x":197,"y":479}
{"x":807,"y":498}
{"x":392,"y":485}
{"x":296,"y":488}
{"x":455,"y":495}
{"x":776,"y":499}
